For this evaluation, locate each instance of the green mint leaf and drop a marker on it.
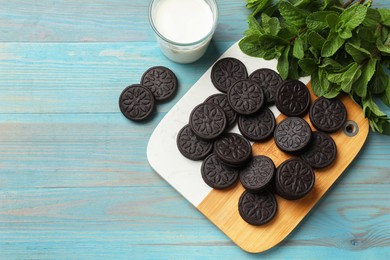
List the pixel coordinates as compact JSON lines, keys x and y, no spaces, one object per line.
{"x":349,"y":19}
{"x":293,"y":68}
{"x":316,"y":40}
{"x":358,"y":54}
{"x":332,"y":20}
{"x":350,"y":76}
{"x":373,"y":18}
{"x":380,"y":81}
{"x":308,"y":65}
{"x":385,"y":16}
{"x":333,"y":91}
{"x":385,"y":96}
{"x":264,"y":46}
{"x":384,"y":49}
{"x":329,"y":3}
{"x":274,"y":26}
{"x":385,"y":127}
{"x":293,"y":15}
{"x":370,"y":108}
{"x":317,"y":21}
{"x":283,"y":64}
{"x":316,"y":84}
{"x":298,"y":51}
{"x":250,"y":46}
{"x":361,"y":85}
{"x":332,"y":44}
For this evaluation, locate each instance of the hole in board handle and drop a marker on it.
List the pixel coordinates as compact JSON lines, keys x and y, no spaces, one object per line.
{"x":351,"y":128}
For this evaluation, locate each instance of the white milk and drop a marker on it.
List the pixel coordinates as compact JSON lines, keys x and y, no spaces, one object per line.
{"x":184,"y":23}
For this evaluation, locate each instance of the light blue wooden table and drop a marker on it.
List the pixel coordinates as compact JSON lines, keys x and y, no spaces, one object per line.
{"x":74,"y":179}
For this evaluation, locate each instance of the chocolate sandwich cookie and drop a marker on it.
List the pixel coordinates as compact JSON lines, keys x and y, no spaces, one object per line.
{"x":161,"y":81}
{"x":191,"y":146}
{"x":246,"y":97}
{"x":233,"y":149}
{"x":269,"y":81}
{"x":292,"y":98}
{"x":216,"y":174}
{"x":328,"y":115}
{"x":257,"y":209}
{"x":292,"y":135}
{"x":222,"y":101}
{"x":259,"y":126}
{"x":321,"y":152}
{"x":258,"y":174}
{"x":294,"y":179}
{"x":136,"y":102}
{"x":226,"y":72}
{"x":208,"y":121}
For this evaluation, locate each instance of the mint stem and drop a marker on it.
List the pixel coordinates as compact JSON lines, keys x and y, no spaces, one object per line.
{"x":348,"y":3}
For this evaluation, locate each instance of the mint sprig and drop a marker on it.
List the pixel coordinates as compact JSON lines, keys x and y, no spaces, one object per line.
{"x":343,"y":46}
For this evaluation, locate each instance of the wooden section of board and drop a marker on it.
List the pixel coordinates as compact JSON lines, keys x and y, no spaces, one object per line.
{"x":221,"y":207}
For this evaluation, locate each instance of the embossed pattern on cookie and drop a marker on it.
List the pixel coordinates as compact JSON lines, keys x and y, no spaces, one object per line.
{"x":216,"y":174}
{"x":257,"y":209}
{"x":321,"y":152}
{"x":292,"y":98}
{"x":222,"y":101}
{"x":136,"y":102}
{"x":259,"y":126}
{"x":191,"y":146}
{"x":161,"y":81}
{"x":294,"y":179}
{"x":328,"y":115}
{"x":208,"y":121}
{"x":258,"y":174}
{"x":292,"y":135}
{"x":226,"y":72}
{"x":269,"y":81}
{"x":246,"y":97}
{"x":233,"y":149}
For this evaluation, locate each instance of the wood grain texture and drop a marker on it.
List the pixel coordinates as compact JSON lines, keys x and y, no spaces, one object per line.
{"x":74,"y":179}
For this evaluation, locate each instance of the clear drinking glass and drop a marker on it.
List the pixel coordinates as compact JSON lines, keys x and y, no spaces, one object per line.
{"x":183,"y":52}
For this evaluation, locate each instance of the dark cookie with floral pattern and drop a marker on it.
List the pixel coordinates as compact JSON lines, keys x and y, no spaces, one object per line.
{"x":292,"y":135}
{"x":246,"y":97}
{"x":233,"y":149}
{"x":136,"y":102}
{"x":257,"y":209}
{"x":269,"y":81}
{"x":259,"y":126}
{"x":216,"y":174}
{"x":161,"y":81}
{"x":226,"y":72}
{"x":321,"y":152}
{"x":208,"y":121}
{"x":292,"y":98}
{"x":328,"y":115}
{"x":191,"y":146}
{"x":222,"y":101}
{"x":258,"y":174}
{"x":294,"y":179}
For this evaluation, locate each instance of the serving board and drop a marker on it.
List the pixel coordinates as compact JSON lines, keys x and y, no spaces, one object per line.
{"x":221,"y":206}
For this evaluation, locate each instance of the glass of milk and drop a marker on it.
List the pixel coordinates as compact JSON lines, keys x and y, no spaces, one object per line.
{"x":183,"y":28}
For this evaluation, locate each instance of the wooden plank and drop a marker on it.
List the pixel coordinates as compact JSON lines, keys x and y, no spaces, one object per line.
{"x":98,"y":21}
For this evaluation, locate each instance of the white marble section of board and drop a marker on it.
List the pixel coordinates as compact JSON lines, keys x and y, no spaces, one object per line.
{"x":183,"y":174}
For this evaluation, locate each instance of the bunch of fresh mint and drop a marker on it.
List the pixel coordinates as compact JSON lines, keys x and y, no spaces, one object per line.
{"x":343,"y":46}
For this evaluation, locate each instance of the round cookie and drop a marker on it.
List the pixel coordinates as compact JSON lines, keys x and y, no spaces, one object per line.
{"x":269,"y":81}
{"x":226,"y":72}
{"x":292,"y":98}
{"x":294,"y":179}
{"x":216,"y":174}
{"x":257,"y":209}
{"x":328,"y":115}
{"x":161,"y":81}
{"x":258,"y":174}
{"x":292,"y":135}
{"x":233,"y":149}
{"x":208,"y":121}
{"x":191,"y":146}
{"x":136,"y":102}
{"x":246,"y":97}
{"x":222,"y":101}
{"x":259,"y":126}
{"x":321,"y":152}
